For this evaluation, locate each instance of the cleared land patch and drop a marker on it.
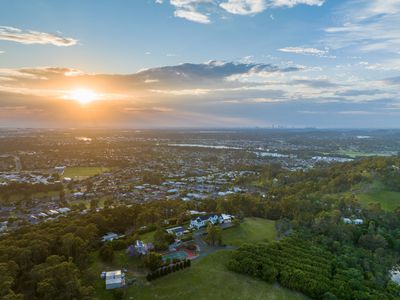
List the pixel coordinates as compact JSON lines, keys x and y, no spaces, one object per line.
{"x":251,"y":230}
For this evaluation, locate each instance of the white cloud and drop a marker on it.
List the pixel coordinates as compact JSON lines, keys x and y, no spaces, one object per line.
{"x":34,"y":37}
{"x":199,"y":10}
{"x":251,"y":7}
{"x":304,"y":51}
{"x":292,"y":3}
{"x":244,"y":7}
{"x":192,"y":16}
{"x":183,"y":92}
{"x":189,"y":10}
{"x":1,"y":52}
{"x":367,"y":26}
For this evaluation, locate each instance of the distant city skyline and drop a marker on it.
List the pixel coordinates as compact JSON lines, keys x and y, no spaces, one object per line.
{"x":200,"y":63}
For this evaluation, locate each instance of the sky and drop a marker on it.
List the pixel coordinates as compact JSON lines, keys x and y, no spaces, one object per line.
{"x":200,"y":63}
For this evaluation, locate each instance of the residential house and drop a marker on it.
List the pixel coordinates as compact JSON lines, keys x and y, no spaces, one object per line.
{"x":114,"y":279}
{"x":177,"y":231}
{"x":224,"y":218}
{"x":141,"y":248}
{"x":202,"y":221}
{"x":109,"y":237}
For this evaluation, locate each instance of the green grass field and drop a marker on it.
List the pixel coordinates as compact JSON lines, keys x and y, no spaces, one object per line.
{"x":251,"y":230}
{"x":207,"y":278}
{"x":355,"y":154}
{"x":378,"y":193}
{"x":83,"y":172}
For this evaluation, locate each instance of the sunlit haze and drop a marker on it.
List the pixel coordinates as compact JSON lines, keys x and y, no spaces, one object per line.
{"x":197,"y":63}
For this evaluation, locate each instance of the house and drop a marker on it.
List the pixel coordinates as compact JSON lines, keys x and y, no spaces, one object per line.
{"x":114,"y":279}
{"x":224,"y":218}
{"x":109,"y":237}
{"x":59,"y":169}
{"x":141,"y":248}
{"x":353,"y":221}
{"x":64,"y":210}
{"x":202,"y":221}
{"x":177,"y":231}
{"x":347,"y":221}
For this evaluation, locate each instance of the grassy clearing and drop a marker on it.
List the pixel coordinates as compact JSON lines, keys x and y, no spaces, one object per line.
{"x":355,"y":154}
{"x":83,"y":172}
{"x":378,"y":193}
{"x":251,"y":230}
{"x":208,"y":278}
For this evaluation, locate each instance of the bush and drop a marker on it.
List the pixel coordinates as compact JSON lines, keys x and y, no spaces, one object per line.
{"x":106,"y":252}
{"x":119,"y":244}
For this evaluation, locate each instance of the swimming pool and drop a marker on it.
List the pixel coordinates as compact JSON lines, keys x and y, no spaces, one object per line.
{"x":176,"y":254}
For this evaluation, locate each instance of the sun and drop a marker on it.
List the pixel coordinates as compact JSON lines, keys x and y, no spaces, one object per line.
{"x":83,"y":96}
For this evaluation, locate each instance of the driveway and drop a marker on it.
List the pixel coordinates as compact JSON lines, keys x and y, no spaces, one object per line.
{"x":206,"y":249}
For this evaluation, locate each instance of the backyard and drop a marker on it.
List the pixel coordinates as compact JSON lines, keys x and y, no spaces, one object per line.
{"x":251,"y":230}
{"x":207,"y":278}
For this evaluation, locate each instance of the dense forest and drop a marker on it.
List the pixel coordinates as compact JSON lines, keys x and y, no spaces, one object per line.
{"x":317,"y":254}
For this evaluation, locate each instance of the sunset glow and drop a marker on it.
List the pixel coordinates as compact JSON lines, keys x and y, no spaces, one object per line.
{"x":83,"y":96}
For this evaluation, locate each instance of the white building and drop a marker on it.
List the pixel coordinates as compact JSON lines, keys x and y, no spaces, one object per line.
{"x":114,"y":279}
{"x":109,"y":237}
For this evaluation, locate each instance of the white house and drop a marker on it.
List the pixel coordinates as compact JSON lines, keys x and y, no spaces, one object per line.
{"x":353,"y":221}
{"x":347,"y":221}
{"x":177,"y":231}
{"x":358,"y":221}
{"x":114,"y":279}
{"x":109,"y":237}
{"x":202,"y":221}
{"x":141,"y":247}
{"x":224,"y":218}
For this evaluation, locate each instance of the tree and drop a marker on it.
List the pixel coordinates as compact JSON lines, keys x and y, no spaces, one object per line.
{"x":214,"y":235}
{"x":153,"y":261}
{"x":162,"y":239}
{"x":106,"y":252}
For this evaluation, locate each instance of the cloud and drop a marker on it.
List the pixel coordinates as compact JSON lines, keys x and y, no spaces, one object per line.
{"x":200,"y":10}
{"x":1,"y":52}
{"x":192,"y":15}
{"x":367,"y":26}
{"x":252,"y":7}
{"x":393,"y":80}
{"x":178,"y":94}
{"x":315,"y":83}
{"x":34,"y":37}
{"x":304,"y":51}
{"x":244,"y":7}
{"x":367,"y":92}
{"x":190,"y":10}
{"x":292,"y":3}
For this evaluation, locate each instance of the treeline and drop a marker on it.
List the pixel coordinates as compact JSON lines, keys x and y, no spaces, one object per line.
{"x":308,"y":268}
{"x":26,"y":190}
{"x":313,"y":204}
{"x":168,"y":269}
{"x":48,"y":260}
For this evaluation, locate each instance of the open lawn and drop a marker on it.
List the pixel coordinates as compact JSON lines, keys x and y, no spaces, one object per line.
{"x":83,"y":172}
{"x":378,"y":193}
{"x":251,"y":230}
{"x":207,"y":278}
{"x":354,"y":154}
